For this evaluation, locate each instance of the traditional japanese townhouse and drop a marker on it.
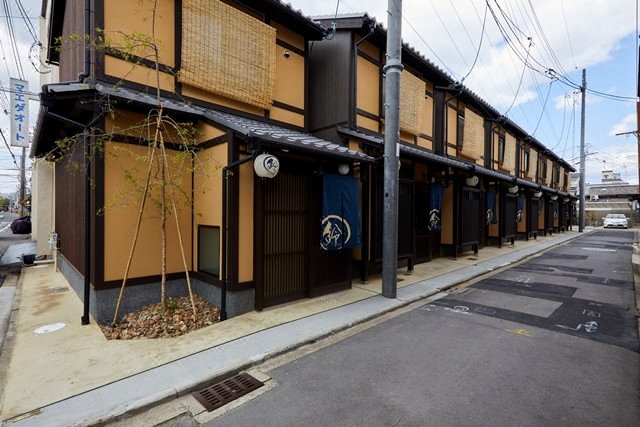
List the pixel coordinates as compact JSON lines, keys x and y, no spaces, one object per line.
{"x":466,"y":174}
{"x":236,"y":72}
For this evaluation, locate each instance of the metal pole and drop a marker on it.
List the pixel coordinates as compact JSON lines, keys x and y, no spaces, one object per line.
{"x":22,"y":179}
{"x":583,"y":89}
{"x":392,"y":70}
{"x":87,"y":228}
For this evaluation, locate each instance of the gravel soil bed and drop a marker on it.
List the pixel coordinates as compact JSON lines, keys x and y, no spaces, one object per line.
{"x":154,"y":321}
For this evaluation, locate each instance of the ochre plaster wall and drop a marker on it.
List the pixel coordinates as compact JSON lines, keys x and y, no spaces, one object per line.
{"x":122,"y":202}
{"x":368,"y":86}
{"x":122,"y":19}
{"x":124,"y":70}
{"x":207,"y":190}
{"x":245,"y":224}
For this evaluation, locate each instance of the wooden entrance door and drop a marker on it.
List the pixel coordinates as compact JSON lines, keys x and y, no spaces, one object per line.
{"x":405,"y":219}
{"x":285,"y":245}
{"x":292,"y":265}
{"x":470,"y":216}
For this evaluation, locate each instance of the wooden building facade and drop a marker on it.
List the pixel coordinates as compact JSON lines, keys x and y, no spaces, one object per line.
{"x":268,"y":83}
{"x":498,"y":183}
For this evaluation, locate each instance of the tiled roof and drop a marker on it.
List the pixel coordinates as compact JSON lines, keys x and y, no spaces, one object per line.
{"x":480,"y":102}
{"x":270,"y":133}
{"x":614,"y":190}
{"x":282,"y":136}
{"x":445,"y":160}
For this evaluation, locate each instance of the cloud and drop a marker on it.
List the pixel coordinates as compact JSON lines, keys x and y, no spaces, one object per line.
{"x":9,"y":183}
{"x":544,"y":36}
{"x":627,"y":124}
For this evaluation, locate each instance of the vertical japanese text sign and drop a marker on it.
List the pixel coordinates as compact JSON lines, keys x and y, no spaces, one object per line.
{"x":19,"y":113}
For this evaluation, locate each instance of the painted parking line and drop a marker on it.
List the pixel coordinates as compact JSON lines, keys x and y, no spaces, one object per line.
{"x":526,"y":287}
{"x":548,"y":268}
{"x":595,"y":280}
{"x":605,"y":323}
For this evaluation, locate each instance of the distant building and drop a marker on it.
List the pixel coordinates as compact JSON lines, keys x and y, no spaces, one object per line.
{"x":611,"y":195}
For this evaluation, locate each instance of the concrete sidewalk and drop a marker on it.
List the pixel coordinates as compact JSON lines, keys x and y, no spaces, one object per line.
{"x":75,"y":376}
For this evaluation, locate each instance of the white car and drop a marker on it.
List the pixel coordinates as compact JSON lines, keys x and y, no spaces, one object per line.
{"x":616,"y":221}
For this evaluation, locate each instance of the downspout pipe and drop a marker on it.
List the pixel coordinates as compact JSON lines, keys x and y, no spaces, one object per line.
{"x":226,"y":172}
{"x":86,"y":72}
{"x":87,"y":42}
{"x":87,"y":228}
{"x":87,"y":207}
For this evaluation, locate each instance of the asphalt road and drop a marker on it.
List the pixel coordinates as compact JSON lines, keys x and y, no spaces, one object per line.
{"x":552,"y":341}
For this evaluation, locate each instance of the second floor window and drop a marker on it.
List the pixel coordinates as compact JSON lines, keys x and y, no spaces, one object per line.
{"x":460,"y":131}
{"x":525,"y":162}
{"x":501,"y":148}
{"x":543,"y":169}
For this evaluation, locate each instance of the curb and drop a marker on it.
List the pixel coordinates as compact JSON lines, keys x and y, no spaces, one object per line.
{"x":635,"y":261}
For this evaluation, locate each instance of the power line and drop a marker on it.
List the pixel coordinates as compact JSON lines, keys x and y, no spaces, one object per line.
{"x":610,"y":96}
{"x":484,"y":21}
{"x":13,"y":39}
{"x":543,"y":36}
{"x":30,"y":28}
{"x":444,"y":64}
{"x":9,"y":148}
{"x":520,"y":82}
{"x":544,"y":109}
{"x":566,"y":27}
{"x":446,"y":29}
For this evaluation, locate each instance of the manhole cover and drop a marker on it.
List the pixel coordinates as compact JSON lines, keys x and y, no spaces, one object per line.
{"x":227,"y":391}
{"x":49,"y":328}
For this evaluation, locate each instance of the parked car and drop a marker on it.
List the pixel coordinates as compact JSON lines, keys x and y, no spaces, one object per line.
{"x":616,"y":221}
{"x":21,"y":225}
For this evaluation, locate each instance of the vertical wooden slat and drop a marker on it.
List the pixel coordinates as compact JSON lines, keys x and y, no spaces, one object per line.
{"x":285,"y":230}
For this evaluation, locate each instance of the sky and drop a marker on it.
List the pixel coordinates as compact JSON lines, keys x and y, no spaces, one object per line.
{"x":566,"y":36}
{"x":9,"y":172}
{"x":530,"y":56}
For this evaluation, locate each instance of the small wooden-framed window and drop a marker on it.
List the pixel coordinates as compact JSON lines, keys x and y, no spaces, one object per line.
{"x":460,"y":131}
{"x":543,"y":168}
{"x":209,"y":249}
{"x":525,"y":161}
{"x":501,"y":148}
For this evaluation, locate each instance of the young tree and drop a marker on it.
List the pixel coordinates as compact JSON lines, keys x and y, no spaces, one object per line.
{"x":158,"y":184}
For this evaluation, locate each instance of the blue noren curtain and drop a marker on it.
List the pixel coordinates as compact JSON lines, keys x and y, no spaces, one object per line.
{"x":340,"y":228}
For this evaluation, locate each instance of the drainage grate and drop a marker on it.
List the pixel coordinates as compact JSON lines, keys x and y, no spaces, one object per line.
{"x":226,"y":391}
{"x":58,"y":289}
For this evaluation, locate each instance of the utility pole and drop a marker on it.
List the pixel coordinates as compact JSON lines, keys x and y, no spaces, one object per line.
{"x":583,"y":89}
{"x":392,"y":70}
{"x":22,"y":180}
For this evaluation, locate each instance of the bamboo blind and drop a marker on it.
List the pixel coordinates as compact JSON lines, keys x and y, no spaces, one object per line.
{"x":533,"y":163}
{"x":509,"y":162}
{"x":412,"y":92}
{"x":473,"y":143}
{"x":227,"y":52}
